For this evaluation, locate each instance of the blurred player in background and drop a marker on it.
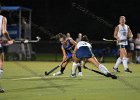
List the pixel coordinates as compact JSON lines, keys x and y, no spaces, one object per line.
{"x":68,"y":35}
{"x":122,"y":33}
{"x":3,"y":32}
{"x":130,"y":50}
{"x":137,"y":47}
{"x":79,"y":37}
{"x":67,"y":47}
{"x":83,"y":51}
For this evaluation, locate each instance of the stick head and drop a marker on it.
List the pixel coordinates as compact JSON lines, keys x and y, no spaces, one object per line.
{"x":104,"y":39}
{"x":38,"y":38}
{"x":46,"y":73}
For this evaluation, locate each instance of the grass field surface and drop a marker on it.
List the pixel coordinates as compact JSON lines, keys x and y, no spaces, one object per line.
{"x":26,"y":81}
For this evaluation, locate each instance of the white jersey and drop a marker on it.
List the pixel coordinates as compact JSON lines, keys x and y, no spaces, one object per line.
{"x":1,"y":17}
{"x":123,"y":34}
{"x":137,"y":43}
{"x":83,"y":43}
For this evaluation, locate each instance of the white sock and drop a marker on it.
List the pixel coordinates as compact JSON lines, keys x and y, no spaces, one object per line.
{"x":138,"y":59}
{"x":82,"y":63}
{"x":103,"y":69}
{"x":125,"y":62}
{"x":118,"y":62}
{"x":74,"y":67}
{"x":1,"y":73}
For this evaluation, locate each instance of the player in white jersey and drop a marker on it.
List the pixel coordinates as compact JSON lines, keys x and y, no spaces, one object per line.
{"x":137,"y":47}
{"x":3,"y":32}
{"x":83,"y":52}
{"x":122,"y":33}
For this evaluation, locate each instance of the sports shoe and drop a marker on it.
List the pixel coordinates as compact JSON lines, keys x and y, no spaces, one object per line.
{"x":116,"y":69}
{"x":73,"y":75}
{"x":80,"y":74}
{"x":2,"y":90}
{"x":112,"y":76}
{"x":57,"y":73}
{"x":128,"y":71}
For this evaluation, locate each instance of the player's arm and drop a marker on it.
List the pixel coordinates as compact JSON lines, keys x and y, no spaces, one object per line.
{"x":130,"y":35}
{"x":64,"y":53}
{"x":73,"y":42}
{"x":116,"y":33}
{"x":74,"y":51}
{"x":4,"y":29}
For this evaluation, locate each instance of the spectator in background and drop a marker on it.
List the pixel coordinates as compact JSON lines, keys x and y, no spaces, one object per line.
{"x":68,"y":36}
{"x":130,"y":50}
{"x":137,"y":47}
{"x":79,"y":37}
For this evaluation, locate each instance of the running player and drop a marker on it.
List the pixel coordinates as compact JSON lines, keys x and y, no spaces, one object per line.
{"x":122,"y":33}
{"x":3,"y":32}
{"x":67,"y":48}
{"x":83,"y":51}
{"x":137,"y":47}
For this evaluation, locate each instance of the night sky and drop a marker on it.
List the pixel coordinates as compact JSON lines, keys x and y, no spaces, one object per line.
{"x":60,"y":16}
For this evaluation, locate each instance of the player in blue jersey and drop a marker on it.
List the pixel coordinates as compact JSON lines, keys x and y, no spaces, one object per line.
{"x":67,"y":47}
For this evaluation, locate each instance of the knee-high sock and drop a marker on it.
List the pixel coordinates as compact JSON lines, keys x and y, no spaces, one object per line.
{"x":103,"y":69}
{"x":74,"y":67}
{"x":1,"y":72}
{"x":79,"y":67}
{"x":139,"y":59}
{"x":125,"y":62}
{"x":118,"y":62}
{"x":62,"y":69}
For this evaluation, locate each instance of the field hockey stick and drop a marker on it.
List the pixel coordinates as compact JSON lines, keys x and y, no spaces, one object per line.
{"x":95,"y":71}
{"x":5,"y":42}
{"x":28,"y":41}
{"x":52,"y":70}
{"x":109,"y":40}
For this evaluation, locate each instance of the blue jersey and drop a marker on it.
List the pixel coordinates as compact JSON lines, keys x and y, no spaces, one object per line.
{"x":69,"y":48}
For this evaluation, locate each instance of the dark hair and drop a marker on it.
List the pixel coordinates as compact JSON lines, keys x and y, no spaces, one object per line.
{"x":60,"y":35}
{"x":85,"y":38}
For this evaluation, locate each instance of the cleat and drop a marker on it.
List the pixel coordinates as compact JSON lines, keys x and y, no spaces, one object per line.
{"x":128,"y":71}
{"x":80,"y":74}
{"x":2,"y":90}
{"x":111,"y":75}
{"x":73,"y":76}
{"x":116,"y":69}
{"x":57,"y":73}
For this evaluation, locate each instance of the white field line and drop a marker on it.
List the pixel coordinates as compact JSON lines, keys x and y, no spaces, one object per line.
{"x":49,"y":77}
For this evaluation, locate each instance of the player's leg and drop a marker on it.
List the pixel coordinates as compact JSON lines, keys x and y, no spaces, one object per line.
{"x":1,"y":69}
{"x":118,"y":62}
{"x":101,"y":67}
{"x":61,"y":71}
{"x":125,"y":60}
{"x":138,"y":55}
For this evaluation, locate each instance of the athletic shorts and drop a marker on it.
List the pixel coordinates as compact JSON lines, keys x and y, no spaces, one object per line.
{"x":84,"y":52}
{"x":69,"y":54}
{"x":127,"y":47}
{"x":138,"y":50}
{"x":1,"y":50}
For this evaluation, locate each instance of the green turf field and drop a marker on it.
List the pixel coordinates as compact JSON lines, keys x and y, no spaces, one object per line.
{"x":25,"y":81}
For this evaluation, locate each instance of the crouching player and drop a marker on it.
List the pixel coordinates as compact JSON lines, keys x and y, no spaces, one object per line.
{"x":83,"y":51}
{"x":68,"y":45}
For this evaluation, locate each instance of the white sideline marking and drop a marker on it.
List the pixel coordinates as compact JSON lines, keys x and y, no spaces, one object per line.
{"x":48,"y":77}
